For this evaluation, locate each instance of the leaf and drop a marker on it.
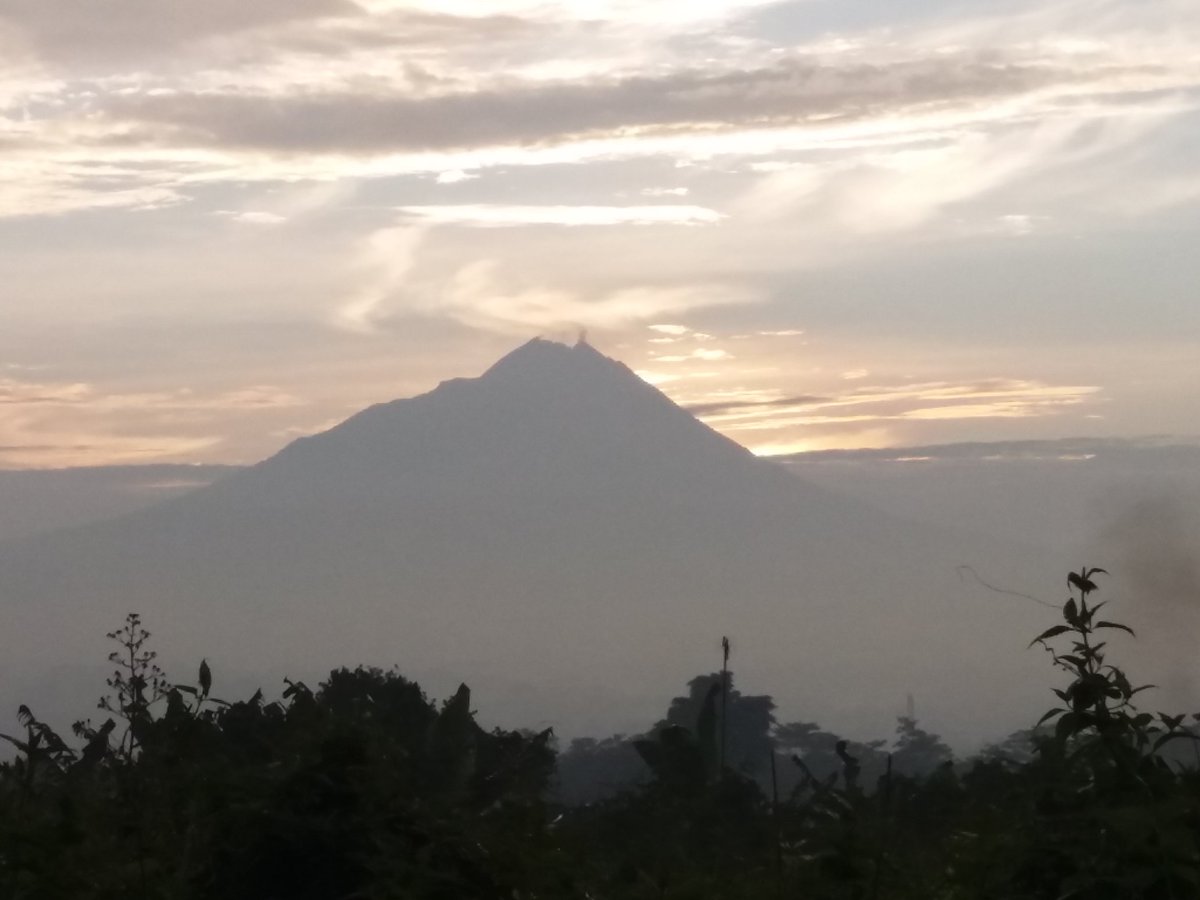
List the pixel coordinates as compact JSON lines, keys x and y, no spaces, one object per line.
{"x":1122,"y":682}
{"x":205,"y":677}
{"x":1171,"y":735}
{"x":1171,"y":722}
{"x":20,"y":745}
{"x":1116,"y":625}
{"x":175,"y":704}
{"x":1049,"y":633}
{"x":296,"y":689}
{"x":1049,"y":714}
{"x":1069,"y":725}
{"x":1070,"y":611}
{"x":1082,"y":582}
{"x":98,"y":745}
{"x":650,"y":752}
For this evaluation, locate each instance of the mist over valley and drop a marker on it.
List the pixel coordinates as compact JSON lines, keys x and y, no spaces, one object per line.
{"x":571,"y":543}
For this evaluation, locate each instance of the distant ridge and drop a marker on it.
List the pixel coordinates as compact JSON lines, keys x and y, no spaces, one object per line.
{"x":34,"y":501}
{"x":555,"y":531}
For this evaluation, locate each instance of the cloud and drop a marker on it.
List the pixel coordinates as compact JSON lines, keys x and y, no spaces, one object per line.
{"x":501,"y":216}
{"x":722,"y":407}
{"x":990,"y":398}
{"x":408,"y":271}
{"x":905,"y":187}
{"x":267,"y":109}
{"x":70,"y":31}
{"x":34,"y":394}
{"x":49,"y":424}
{"x":255,"y":217}
{"x":64,"y":449}
{"x":1148,"y":452}
{"x":384,"y":266}
{"x":482,"y":295}
{"x":861,"y":178}
{"x":455,"y":176}
{"x":701,"y":353}
{"x":788,"y":93}
{"x":25,"y":393}
{"x":425,"y":35}
{"x":52,"y":194}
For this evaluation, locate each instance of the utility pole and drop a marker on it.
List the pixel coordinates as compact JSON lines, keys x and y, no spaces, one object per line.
{"x":724,"y":697}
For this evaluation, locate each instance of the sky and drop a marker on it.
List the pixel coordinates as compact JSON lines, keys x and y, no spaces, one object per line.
{"x":818,"y":224}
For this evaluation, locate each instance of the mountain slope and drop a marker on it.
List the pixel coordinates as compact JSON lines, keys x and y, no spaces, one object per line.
{"x":563,"y":536}
{"x":546,"y":418}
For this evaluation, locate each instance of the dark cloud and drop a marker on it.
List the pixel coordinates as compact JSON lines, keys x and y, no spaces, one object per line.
{"x":70,"y":31}
{"x":413,"y":29}
{"x":530,"y":113}
{"x":720,"y":407}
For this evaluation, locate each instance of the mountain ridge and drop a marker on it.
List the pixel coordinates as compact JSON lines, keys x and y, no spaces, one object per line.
{"x":554,"y":528}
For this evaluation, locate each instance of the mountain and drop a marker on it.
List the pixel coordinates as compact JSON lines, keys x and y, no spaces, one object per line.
{"x":547,"y":420}
{"x":562,"y":536}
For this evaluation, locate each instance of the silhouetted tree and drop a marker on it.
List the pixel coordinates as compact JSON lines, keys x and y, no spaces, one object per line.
{"x":748,"y":731}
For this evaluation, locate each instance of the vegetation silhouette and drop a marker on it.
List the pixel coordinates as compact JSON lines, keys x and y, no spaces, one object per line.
{"x":364,"y":788}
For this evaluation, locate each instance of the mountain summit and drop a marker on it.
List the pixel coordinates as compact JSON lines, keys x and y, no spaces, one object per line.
{"x":557,"y":533}
{"x":547,"y":419}
{"x":539,"y":359}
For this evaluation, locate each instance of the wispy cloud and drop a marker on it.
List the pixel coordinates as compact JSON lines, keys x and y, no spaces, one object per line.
{"x":255,"y":217}
{"x":384,"y":267}
{"x":49,"y":424}
{"x":789,"y":92}
{"x":497,"y":216}
{"x":771,"y":423}
{"x":483,"y":295}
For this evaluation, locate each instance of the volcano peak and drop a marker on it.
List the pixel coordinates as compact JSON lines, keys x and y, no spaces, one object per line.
{"x":541,"y":358}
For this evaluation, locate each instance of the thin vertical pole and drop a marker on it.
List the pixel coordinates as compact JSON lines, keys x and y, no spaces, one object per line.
{"x":775,"y":822}
{"x":724,"y":697}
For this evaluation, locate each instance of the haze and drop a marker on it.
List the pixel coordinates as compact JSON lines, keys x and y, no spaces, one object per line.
{"x":941,"y":250}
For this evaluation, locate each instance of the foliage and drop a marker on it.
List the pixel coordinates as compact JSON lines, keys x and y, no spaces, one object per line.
{"x":744,"y":721}
{"x":364,"y":788}
{"x":359,"y":788}
{"x":590,"y":770}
